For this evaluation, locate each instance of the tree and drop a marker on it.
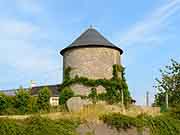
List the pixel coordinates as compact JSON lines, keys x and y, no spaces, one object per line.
{"x":43,"y":99}
{"x":3,"y":102}
{"x":22,"y":100}
{"x":169,"y":84}
{"x":64,"y":95}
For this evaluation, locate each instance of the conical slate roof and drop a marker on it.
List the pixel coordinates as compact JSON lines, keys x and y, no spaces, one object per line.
{"x":91,"y":38}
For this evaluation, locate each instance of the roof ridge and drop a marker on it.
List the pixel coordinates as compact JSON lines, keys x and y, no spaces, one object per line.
{"x":83,"y":33}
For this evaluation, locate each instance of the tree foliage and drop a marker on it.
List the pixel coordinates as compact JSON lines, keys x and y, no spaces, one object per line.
{"x":169,"y":83}
{"x":32,"y":106}
{"x":65,"y":94}
{"x":22,"y":99}
{"x":43,"y":99}
{"x":3,"y":102}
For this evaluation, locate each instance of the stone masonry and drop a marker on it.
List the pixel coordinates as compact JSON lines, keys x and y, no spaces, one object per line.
{"x":93,"y":63}
{"x":92,"y":56}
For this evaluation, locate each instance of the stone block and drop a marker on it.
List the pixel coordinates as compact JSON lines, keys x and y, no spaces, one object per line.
{"x":75,"y":104}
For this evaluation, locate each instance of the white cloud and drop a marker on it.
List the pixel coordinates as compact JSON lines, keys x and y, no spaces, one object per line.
{"x":149,"y":29}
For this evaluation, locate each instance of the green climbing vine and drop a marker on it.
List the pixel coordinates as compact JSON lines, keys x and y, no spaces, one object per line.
{"x":115,"y":87}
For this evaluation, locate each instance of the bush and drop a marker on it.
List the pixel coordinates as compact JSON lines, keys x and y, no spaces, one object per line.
{"x":10,"y":127}
{"x":159,"y":125}
{"x":32,"y":106}
{"x":64,"y":95}
{"x":22,"y":99}
{"x":120,"y":121}
{"x":38,"y":126}
{"x":43,"y":99}
{"x":174,"y":112}
{"x":3,"y":102}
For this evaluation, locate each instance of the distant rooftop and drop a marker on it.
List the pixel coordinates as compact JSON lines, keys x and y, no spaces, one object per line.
{"x":91,"y":38}
{"x":34,"y":91}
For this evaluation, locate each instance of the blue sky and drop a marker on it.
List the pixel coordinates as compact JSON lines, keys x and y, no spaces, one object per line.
{"x":32,"y":32}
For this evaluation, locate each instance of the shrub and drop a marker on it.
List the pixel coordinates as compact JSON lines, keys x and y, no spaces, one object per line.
{"x":32,"y":106}
{"x":3,"y":102}
{"x":120,"y":121}
{"x":174,"y":112}
{"x":43,"y":99}
{"x":64,"y":95}
{"x":22,"y":100}
{"x":159,"y":125}
{"x":11,"y":127}
{"x":38,"y":126}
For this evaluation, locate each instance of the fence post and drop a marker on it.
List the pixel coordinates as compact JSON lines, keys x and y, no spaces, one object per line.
{"x":167,"y":102}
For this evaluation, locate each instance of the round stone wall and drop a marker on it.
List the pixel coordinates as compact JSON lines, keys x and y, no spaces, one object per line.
{"x":91,"y":62}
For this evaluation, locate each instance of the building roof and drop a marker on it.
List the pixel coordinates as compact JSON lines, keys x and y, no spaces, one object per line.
{"x":53,"y":88}
{"x":35,"y":90}
{"x":91,"y":38}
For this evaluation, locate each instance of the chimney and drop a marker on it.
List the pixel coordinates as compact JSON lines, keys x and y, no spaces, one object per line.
{"x":32,"y":84}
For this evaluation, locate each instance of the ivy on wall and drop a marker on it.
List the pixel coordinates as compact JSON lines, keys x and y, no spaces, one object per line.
{"x":115,"y":87}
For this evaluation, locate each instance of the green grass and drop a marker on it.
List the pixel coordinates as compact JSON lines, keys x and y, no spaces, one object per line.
{"x":38,"y":126}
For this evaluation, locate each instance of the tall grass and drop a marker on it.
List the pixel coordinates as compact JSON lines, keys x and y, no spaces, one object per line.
{"x":38,"y":126}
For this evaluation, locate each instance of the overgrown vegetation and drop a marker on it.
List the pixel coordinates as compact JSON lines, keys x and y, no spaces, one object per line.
{"x":22,"y":99}
{"x":24,"y":103}
{"x":38,"y":126}
{"x":159,"y":125}
{"x":93,"y":96}
{"x":43,"y":99}
{"x":65,"y":94}
{"x":3,"y":102}
{"x":169,"y":83}
{"x":115,"y":87}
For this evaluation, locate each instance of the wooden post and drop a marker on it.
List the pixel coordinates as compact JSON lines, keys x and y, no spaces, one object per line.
{"x":122,"y":101}
{"x":122,"y":98}
{"x":167,"y":100}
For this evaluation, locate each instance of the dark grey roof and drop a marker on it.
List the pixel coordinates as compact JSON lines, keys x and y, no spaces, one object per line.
{"x":91,"y":38}
{"x":53,"y":88}
{"x":35,"y":90}
{"x":9,"y":92}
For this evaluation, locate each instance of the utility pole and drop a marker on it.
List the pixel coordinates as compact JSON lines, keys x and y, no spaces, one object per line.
{"x":147,"y":98}
{"x":32,"y":84}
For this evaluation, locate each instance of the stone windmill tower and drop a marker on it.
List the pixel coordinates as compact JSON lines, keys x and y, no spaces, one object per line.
{"x":92,"y":56}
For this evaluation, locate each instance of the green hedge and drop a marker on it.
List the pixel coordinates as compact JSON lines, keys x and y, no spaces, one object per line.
{"x":159,"y":125}
{"x":38,"y":126}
